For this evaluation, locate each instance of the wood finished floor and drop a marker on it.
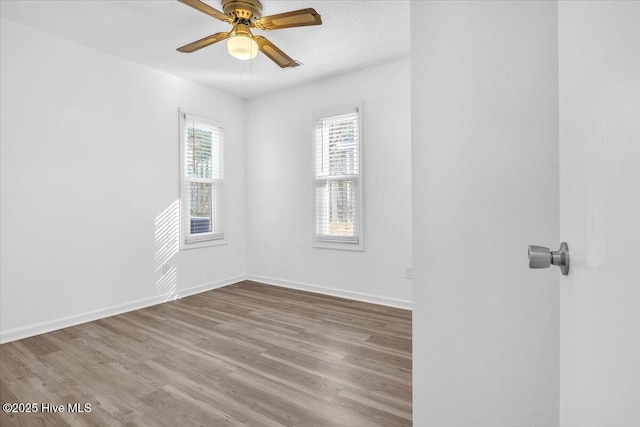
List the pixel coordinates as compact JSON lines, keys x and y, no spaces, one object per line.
{"x":245,"y":354}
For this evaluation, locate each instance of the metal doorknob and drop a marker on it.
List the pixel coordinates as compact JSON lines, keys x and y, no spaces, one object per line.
{"x":541,"y":257}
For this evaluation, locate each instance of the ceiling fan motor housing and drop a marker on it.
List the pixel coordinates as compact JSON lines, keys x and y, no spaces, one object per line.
{"x":242,"y":10}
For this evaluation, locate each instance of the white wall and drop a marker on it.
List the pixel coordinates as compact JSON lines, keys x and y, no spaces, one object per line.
{"x":600,"y":213}
{"x":89,"y":165}
{"x":280,"y":187}
{"x":485,"y":185}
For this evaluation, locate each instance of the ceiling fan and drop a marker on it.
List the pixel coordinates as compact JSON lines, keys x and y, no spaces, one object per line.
{"x":244,"y":15}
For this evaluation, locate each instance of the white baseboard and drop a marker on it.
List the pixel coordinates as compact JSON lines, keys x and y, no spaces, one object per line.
{"x":358,"y":296}
{"x":65,"y":322}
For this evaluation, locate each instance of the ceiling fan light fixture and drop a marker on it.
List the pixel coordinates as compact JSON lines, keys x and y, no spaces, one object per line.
{"x":244,"y":15}
{"x":242,"y":47}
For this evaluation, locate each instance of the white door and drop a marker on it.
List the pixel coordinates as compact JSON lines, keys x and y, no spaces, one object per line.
{"x":599,"y":58}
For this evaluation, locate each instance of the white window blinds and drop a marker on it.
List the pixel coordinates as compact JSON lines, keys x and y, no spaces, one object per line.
{"x":202,"y":180}
{"x":337,"y":178}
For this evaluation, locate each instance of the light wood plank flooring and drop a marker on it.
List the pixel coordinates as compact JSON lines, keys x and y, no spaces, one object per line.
{"x":246,"y":354}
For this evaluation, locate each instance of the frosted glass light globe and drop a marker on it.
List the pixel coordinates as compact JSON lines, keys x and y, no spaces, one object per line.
{"x":242,"y":47}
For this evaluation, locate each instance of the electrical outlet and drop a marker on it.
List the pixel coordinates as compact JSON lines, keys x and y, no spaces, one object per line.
{"x":408,"y":274}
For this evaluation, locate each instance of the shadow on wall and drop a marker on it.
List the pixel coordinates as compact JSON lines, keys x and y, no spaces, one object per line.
{"x":167,"y":244}
{"x":167,"y":284}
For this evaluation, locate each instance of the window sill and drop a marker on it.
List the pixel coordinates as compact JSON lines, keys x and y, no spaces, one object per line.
{"x":202,"y":244}
{"x":340,"y":246}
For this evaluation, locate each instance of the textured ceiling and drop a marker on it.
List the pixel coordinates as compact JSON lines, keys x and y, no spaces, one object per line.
{"x":354,"y":34}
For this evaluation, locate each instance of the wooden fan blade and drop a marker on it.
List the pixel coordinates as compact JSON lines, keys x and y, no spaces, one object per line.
{"x":205,"y":8}
{"x":296,"y":18}
{"x":273,"y":53}
{"x":214,"y":38}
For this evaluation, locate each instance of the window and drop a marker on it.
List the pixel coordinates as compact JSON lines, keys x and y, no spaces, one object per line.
{"x":201,"y":182}
{"x":338,"y":180}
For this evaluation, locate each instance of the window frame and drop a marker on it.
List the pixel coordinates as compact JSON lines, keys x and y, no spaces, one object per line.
{"x":325,"y":243}
{"x":210,"y":238}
